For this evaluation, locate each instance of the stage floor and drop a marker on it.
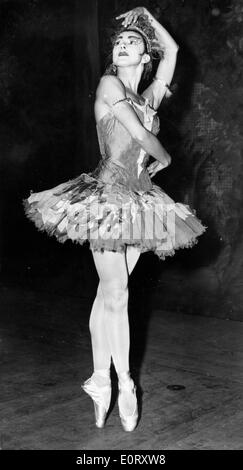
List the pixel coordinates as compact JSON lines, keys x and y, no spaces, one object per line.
{"x":46,"y":355}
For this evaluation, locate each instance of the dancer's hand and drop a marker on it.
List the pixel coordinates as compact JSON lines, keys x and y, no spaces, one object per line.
{"x":154,"y":167}
{"x":131,"y":16}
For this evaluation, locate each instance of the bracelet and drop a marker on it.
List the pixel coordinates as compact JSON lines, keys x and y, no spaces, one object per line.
{"x":163,"y":82}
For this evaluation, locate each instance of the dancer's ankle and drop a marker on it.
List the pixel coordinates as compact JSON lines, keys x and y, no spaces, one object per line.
{"x":102,"y":372}
{"x":101,"y":376}
{"x":127,"y":397}
{"x":124,"y":376}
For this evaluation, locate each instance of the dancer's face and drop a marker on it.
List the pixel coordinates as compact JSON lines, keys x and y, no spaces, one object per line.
{"x":128,"y":49}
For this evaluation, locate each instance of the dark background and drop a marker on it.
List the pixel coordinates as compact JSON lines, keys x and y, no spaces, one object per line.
{"x":52,"y":54}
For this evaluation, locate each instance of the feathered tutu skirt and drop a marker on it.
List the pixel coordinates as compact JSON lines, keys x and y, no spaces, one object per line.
{"x":111,"y":215}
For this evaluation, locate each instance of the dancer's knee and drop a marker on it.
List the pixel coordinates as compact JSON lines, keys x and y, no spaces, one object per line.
{"x":115,"y":299}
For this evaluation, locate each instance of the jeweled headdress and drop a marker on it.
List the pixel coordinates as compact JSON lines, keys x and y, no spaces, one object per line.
{"x":143,"y":26}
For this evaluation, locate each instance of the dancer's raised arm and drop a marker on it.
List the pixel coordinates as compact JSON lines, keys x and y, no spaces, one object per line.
{"x":166,"y":47}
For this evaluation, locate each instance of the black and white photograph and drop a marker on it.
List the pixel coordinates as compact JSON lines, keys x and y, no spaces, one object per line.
{"x":121,"y":215}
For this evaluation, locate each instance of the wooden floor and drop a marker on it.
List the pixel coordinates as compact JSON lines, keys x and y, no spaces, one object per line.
{"x":46,"y":355}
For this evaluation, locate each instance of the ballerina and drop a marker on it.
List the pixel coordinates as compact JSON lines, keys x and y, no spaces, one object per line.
{"x":116,"y":207}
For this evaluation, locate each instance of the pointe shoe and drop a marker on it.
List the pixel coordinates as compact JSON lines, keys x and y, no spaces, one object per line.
{"x":129,"y":422}
{"x":101,"y":396}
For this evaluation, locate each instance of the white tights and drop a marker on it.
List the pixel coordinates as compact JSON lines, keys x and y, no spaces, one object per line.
{"x":108,"y":324}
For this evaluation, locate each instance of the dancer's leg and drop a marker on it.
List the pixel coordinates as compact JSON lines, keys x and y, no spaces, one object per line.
{"x":113,"y":274}
{"x":100,"y":346}
{"x":132,"y":256}
{"x":113,"y":270}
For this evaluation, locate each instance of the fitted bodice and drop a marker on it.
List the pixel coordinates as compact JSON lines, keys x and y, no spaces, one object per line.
{"x":119,"y":148}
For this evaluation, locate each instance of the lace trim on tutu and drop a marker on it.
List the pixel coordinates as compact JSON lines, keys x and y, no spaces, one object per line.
{"x":110,"y":215}
{"x":162,"y":254}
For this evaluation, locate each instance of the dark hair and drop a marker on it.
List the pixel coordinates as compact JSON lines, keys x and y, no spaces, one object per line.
{"x":111,"y":69}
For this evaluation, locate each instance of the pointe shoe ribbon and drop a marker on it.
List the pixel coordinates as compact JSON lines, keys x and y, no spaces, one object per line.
{"x":101,"y":397}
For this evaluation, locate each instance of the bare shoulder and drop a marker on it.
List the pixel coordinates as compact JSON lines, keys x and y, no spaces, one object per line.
{"x":109,"y":90}
{"x":109,"y":85}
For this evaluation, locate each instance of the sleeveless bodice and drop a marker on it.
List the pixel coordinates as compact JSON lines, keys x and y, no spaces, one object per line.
{"x":122,"y":158}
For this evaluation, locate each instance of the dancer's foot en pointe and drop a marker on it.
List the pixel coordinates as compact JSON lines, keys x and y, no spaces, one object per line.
{"x":98,"y":387}
{"x":127,"y":401}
